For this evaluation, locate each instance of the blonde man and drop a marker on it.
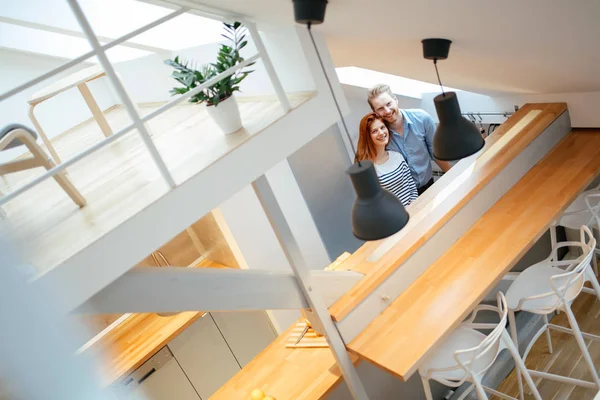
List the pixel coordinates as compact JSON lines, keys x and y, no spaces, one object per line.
{"x":411,"y":134}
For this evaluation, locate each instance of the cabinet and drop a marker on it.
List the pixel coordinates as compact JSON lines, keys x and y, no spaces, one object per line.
{"x":159,"y":378}
{"x":205,"y":356}
{"x":247,"y":333}
{"x":201,"y":359}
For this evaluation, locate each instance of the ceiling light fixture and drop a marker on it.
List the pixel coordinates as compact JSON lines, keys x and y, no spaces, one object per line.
{"x":455,"y":137}
{"x":376,"y":213}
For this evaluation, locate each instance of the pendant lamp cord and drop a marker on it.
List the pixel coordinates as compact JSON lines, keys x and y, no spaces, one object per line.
{"x":331,"y":90}
{"x":438,"y":76}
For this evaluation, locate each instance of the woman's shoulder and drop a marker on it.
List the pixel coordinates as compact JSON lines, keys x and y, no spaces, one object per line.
{"x":396,"y":157}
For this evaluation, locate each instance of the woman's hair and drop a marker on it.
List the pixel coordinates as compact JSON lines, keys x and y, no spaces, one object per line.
{"x":366,"y":149}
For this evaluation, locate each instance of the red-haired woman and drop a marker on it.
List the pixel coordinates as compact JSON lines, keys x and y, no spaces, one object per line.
{"x":391,"y":167}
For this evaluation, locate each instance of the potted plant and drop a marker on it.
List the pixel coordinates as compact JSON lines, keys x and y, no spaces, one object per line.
{"x":220,"y":101}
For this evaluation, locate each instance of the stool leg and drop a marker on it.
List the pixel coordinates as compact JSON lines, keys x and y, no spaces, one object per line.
{"x":520,"y":367}
{"x":582,"y":346}
{"x":479,"y":389}
{"x":426,"y":388}
{"x":594,"y":281}
{"x":95,"y":109}
{"x":548,"y":337}
{"x":47,"y":163}
{"x":513,"y":333}
{"x":42,"y":134}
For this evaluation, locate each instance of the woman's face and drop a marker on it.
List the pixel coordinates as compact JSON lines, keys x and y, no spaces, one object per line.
{"x":379,"y":133}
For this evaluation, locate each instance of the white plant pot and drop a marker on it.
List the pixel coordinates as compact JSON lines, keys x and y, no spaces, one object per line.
{"x":226,"y":114}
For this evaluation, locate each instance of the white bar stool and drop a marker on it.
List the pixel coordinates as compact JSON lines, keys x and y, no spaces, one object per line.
{"x":552,"y":285}
{"x":583,"y":211}
{"x":467,"y":354}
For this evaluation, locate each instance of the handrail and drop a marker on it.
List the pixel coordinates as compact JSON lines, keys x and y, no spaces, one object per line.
{"x":51,"y":172}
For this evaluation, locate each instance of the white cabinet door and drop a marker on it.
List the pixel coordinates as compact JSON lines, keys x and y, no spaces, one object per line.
{"x":204,"y":356}
{"x":165,"y":383}
{"x":246,"y":333}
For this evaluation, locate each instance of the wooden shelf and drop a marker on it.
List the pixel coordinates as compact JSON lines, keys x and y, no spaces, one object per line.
{"x":400,"y":337}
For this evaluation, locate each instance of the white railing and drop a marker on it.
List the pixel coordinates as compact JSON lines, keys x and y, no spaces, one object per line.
{"x":99,"y":50}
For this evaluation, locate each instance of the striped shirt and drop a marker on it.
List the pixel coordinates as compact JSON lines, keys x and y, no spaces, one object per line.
{"x":395,"y":177}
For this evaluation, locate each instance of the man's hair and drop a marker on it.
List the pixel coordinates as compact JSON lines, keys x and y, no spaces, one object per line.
{"x":377,"y":90}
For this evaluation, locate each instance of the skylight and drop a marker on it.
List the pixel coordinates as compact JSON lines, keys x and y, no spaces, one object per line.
{"x":57,"y":45}
{"x":49,"y":27}
{"x":403,"y":86}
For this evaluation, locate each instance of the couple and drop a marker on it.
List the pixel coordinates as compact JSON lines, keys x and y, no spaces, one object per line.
{"x":400,"y":145}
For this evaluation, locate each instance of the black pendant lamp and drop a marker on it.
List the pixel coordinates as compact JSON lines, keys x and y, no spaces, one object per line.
{"x":456,"y":137}
{"x":376,"y":213}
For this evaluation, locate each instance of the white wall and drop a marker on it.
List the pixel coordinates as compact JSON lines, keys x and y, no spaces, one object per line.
{"x":583,"y":107}
{"x":148,"y":79}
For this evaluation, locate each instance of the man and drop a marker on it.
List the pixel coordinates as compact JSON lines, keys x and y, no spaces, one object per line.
{"x":412,"y":135}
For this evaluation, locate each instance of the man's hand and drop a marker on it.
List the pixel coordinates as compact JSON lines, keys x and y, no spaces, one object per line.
{"x":444,"y":165}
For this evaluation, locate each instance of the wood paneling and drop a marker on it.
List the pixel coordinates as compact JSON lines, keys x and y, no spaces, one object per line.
{"x":421,"y":317}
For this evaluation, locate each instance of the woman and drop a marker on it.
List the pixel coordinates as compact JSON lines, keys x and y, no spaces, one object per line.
{"x":390,"y":166}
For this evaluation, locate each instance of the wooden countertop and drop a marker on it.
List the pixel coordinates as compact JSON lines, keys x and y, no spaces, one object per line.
{"x":132,"y":342}
{"x":377,"y":260}
{"x":422,"y":316}
{"x":285,"y":373}
{"x":288,"y":373}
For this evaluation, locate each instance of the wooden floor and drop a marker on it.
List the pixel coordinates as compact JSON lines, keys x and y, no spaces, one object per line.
{"x":566,"y":359}
{"x":121,"y":179}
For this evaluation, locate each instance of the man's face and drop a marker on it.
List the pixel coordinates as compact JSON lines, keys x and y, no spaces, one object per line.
{"x":386,"y":107}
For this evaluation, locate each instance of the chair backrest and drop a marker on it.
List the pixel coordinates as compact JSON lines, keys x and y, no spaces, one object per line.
{"x":592,"y":202}
{"x":565,"y":286}
{"x":4,"y":131}
{"x":478,"y":359}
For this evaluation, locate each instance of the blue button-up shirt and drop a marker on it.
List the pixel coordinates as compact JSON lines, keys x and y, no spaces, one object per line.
{"x":416,"y":144}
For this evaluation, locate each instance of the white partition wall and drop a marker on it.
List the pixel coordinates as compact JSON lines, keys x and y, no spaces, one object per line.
{"x":258,"y":243}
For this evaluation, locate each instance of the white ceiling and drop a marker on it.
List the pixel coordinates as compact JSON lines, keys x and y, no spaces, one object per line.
{"x":525,"y":46}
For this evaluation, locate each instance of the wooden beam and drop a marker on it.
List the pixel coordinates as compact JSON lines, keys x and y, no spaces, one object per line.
{"x":175,"y":289}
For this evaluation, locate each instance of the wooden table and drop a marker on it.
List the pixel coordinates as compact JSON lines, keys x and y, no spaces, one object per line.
{"x":431,"y":308}
{"x":79,"y":80}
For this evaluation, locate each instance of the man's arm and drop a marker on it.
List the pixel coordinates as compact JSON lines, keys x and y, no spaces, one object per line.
{"x":429,"y":131}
